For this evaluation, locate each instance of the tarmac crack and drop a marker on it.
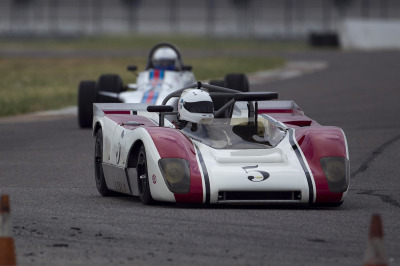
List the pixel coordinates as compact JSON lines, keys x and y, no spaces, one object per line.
{"x":384,"y":198}
{"x":364,"y":166}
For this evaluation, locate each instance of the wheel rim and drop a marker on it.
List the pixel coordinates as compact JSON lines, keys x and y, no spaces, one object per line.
{"x":142,"y":173}
{"x":98,"y":162}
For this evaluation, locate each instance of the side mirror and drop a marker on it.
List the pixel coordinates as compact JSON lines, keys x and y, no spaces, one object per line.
{"x":255,"y":96}
{"x":131,"y":68}
{"x":162,"y":109}
{"x":187,"y":68}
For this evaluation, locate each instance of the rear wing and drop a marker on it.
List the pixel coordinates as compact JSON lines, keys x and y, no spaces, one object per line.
{"x":101,"y":109}
{"x":283,"y":107}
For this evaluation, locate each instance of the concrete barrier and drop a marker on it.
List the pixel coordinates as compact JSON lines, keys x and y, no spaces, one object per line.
{"x":369,"y":34}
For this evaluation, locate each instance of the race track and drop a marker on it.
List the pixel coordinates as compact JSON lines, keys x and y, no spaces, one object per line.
{"x":60,"y":219}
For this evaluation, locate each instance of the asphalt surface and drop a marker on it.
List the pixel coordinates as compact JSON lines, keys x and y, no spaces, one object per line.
{"x":59,"y":218}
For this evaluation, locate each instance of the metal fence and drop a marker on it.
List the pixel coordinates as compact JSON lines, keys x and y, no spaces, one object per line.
{"x":244,"y":18}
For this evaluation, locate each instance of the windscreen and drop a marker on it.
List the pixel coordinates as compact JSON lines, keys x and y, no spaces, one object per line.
{"x":236,"y":133}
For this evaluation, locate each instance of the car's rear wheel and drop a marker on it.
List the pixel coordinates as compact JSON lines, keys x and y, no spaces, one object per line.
{"x":98,"y":167}
{"x":143,"y":178}
{"x":87,"y":95}
{"x":237,"y":82}
{"x":217,"y":82}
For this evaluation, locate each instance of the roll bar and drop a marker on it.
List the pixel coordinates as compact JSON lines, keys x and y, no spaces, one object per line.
{"x":173,"y":47}
{"x":234,"y":94}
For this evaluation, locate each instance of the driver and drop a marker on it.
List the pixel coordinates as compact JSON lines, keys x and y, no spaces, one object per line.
{"x":165,"y":58}
{"x":195,"y":106}
{"x":195,"y":116}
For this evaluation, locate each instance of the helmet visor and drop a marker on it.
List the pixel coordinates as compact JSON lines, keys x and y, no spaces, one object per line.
{"x":205,"y":107}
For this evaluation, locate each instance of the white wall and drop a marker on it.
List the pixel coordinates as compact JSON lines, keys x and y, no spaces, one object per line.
{"x":369,"y":34}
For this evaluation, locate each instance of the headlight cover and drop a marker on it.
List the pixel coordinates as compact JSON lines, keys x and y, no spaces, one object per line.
{"x":176,"y":173}
{"x":337,"y":173}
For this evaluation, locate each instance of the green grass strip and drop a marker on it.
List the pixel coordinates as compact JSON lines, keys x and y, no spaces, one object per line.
{"x":30,"y":84}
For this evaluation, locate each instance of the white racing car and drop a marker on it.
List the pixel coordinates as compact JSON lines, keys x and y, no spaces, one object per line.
{"x":165,"y":72}
{"x":249,"y":150}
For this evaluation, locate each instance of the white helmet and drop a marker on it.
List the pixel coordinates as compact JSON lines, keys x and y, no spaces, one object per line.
{"x":196,"y":106}
{"x":165,"y":58}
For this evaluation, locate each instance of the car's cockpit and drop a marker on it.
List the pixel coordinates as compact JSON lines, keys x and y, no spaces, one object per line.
{"x":236,"y":133}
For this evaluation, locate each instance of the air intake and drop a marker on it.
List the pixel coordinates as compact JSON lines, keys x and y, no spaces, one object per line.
{"x":259,"y":196}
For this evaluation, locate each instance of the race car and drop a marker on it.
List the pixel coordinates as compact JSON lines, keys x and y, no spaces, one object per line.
{"x":165,"y":72}
{"x":254,"y":149}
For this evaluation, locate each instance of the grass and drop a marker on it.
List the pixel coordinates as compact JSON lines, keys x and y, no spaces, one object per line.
{"x":146,"y":42}
{"x":31,"y":84}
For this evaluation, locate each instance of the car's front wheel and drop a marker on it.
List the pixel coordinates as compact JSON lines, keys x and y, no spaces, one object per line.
{"x":143,"y":178}
{"x":109,"y":86}
{"x":98,"y":167}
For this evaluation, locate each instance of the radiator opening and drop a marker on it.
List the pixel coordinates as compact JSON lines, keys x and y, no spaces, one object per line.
{"x":226,"y":196}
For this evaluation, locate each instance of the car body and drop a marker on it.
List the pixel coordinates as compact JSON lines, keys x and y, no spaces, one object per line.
{"x":287,"y":158}
{"x":152,"y":85}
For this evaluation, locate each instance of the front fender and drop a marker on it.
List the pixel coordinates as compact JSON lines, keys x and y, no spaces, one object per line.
{"x":171,"y":143}
{"x":319,"y":142}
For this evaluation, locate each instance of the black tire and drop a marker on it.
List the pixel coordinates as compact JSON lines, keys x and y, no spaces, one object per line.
{"x":143,"y":178}
{"x":98,"y":168}
{"x":217,"y":82}
{"x":87,"y":95}
{"x":110,"y":83}
{"x":237,"y":82}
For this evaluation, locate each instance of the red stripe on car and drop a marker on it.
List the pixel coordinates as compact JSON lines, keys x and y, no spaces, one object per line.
{"x":278,"y":111}
{"x":316,"y":143}
{"x":171,"y":143}
{"x":150,"y":96}
{"x":117,"y":112}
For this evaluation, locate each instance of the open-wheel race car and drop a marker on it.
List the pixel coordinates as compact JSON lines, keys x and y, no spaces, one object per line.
{"x":247,"y":148}
{"x":165,"y":72}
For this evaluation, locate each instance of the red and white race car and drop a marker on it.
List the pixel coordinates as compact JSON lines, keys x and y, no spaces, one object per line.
{"x":251,"y":149}
{"x":165,"y":72}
